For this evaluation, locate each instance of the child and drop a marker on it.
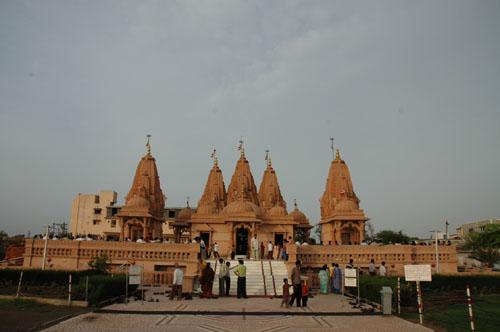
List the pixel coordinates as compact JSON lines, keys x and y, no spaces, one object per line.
{"x":305,"y":293}
{"x":286,"y":293}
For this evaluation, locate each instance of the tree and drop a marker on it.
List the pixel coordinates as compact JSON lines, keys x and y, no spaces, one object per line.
{"x":100,"y":263}
{"x":388,"y":237}
{"x":6,"y":241}
{"x":485,"y":245}
{"x":370,"y":232}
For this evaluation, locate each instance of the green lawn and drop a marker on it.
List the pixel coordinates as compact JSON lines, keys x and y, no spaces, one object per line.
{"x":454,"y":317}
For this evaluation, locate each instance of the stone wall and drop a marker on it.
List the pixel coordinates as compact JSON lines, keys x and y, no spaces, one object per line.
{"x":395,"y":256}
{"x":156,"y":258}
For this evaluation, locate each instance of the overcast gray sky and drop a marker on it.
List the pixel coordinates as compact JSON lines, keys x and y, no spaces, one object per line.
{"x":409,"y":89}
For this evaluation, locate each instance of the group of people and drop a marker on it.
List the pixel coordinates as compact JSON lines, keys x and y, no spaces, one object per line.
{"x":268,"y":251}
{"x":330,"y":279}
{"x":300,"y":288}
{"x":208,"y":276}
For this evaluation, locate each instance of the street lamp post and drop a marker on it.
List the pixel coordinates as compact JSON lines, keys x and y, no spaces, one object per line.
{"x":437,"y":254}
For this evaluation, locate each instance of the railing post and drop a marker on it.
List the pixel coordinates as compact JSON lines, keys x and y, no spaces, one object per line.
{"x":19,"y":284}
{"x":471,"y":314}
{"x":420,"y":304}
{"x":399,"y":296}
{"x":69,"y":290}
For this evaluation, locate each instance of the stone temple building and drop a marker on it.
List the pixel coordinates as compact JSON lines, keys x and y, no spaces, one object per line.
{"x":342,"y":221}
{"x":230,"y":217}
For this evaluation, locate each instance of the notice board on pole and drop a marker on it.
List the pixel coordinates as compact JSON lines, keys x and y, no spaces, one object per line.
{"x":350,"y":278}
{"x":418,"y":273}
{"x":135,"y":274}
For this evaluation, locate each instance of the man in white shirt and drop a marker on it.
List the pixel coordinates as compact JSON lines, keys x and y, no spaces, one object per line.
{"x":270,"y":248}
{"x":140,"y":240}
{"x":382,"y":271}
{"x":216,"y":250}
{"x":255,"y":247}
{"x":177,"y":283}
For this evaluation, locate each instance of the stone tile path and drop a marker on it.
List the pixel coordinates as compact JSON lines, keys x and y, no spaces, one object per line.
{"x":284,"y":321}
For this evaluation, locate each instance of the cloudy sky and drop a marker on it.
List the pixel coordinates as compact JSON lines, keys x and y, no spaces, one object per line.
{"x":409,"y":89}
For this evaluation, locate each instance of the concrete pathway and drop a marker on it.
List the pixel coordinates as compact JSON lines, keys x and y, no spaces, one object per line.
{"x":273,"y":318}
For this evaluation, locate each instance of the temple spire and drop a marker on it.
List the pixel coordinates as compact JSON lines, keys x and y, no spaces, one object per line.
{"x":337,"y":155}
{"x":148,"y":145}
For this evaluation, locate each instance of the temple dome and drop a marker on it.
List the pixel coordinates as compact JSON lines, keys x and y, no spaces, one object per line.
{"x":242,"y":207}
{"x":346,"y":205}
{"x":184,"y":214}
{"x":207,"y":209}
{"x":277,"y":211}
{"x":138,"y":202}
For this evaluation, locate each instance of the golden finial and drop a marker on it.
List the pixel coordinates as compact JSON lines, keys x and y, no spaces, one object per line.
{"x":214,"y":157}
{"x":268,"y":159}
{"x":337,"y":155}
{"x":331,"y":146}
{"x":148,"y":146}
{"x":241,"y":148}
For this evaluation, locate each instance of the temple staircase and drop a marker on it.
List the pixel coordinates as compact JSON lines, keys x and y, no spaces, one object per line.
{"x":264,"y":277}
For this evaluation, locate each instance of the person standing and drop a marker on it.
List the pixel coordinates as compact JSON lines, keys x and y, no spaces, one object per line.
{"x":323,"y":280}
{"x":382,"y":271}
{"x":233,"y":253}
{"x":207,"y":281}
{"x":177,"y":283}
{"x":372,"y":270}
{"x":305,"y":293}
{"x":255,"y":247}
{"x":227,"y":278}
{"x":262,"y":250}
{"x":337,"y":279}
{"x":222,"y":277}
{"x":215,"y":249}
{"x":241,"y":272}
{"x":203,"y":249}
{"x":270,"y":249}
{"x":330,"y":270}
{"x":286,"y":293}
{"x":283,"y":253}
{"x":296,"y":281}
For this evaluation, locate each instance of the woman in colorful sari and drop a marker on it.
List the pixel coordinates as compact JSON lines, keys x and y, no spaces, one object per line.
{"x":323,"y":280}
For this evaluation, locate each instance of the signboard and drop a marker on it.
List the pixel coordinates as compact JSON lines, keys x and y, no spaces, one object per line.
{"x":134,"y":280}
{"x":350,"y":278}
{"x":418,"y":273}
{"x":135,"y":270}
{"x":350,"y":273}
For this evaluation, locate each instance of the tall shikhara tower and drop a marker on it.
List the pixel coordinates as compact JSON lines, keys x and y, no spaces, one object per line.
{"x":342,"y":221}
{"x":142,"y":215}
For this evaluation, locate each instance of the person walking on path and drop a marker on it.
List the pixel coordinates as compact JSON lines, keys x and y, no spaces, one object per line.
{"x":296,"y":281}
{"x":270,"y":249}
{"x":382,"y":271}
{"x":286,"y":293}
{"x":241,"y":272}
{"x":227,"y":278}
{"x":177,"y":283}
{"x":255,"y":247}
{"x":337,"y":279}
{"x":207,"y":281}
{"x":323,"y":280}
{"x":222,"y":277}
{"x":215,"y":249}
{"x":305,"y":293}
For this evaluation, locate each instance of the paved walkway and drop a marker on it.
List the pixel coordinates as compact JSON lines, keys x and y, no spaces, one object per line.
{"x":274,"y":318}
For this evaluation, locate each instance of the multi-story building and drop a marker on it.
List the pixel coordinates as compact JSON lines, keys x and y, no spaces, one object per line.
{"x":476,"y":226}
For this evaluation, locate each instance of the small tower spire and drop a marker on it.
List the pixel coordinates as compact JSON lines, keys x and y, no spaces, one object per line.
{"x":268,"y":159}
{"x":187,"y":201}
{"x":148,"y":145}
{"x":332,"y":147}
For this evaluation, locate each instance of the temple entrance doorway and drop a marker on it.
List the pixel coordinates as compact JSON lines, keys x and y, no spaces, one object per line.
{"x":278,"y":239}
{"x":242,"y":241}
{"x":345,"y":238}
{"x":205,"y":236}
{"x":136,"y":232}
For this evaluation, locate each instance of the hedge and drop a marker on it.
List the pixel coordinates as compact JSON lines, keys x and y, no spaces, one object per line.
{"x":370,"y":286}
{"x":50,"y":283}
